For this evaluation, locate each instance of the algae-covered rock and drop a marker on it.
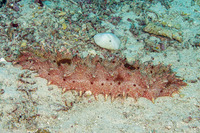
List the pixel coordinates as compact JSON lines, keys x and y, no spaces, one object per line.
{"x":197,"y":2}
{"x":163,"y":31}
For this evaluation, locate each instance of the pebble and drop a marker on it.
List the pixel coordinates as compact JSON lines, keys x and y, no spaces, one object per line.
{"x":107,"y":41}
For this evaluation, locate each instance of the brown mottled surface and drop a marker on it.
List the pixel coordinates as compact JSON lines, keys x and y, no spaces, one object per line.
{"x":100,"y":76}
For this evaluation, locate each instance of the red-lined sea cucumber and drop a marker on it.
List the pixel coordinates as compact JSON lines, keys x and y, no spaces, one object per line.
{"x":100,"y":76}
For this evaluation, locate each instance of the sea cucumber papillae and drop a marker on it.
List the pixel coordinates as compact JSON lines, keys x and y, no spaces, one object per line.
{"x":100,"y":76}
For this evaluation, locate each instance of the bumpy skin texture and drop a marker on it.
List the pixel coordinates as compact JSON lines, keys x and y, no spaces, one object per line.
{"x":115,"y":78}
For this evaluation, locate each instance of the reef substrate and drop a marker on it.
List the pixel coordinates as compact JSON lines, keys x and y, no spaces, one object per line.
{"x":100,"y":76}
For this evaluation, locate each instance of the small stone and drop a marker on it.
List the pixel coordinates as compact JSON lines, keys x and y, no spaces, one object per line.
{"x":23,"y":44}
{"x":75,"y":17}
{"x":92,"y":52}
{"x":61,"y":13}
{"x":64,"y":26}
{"x":181,"y":95}
{"x":107,"y":41}
{"x":62,"y":20}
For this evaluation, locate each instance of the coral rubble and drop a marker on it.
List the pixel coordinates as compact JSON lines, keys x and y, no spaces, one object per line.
{"x":100,"y":76}
{"x":163,"y":31}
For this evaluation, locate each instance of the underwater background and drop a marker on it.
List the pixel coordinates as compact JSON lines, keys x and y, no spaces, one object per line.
{"x":156,"y":31}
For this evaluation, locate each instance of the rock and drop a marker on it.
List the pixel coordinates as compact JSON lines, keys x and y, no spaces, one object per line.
{"x":163,"y":31}
{"x":107,"y":41}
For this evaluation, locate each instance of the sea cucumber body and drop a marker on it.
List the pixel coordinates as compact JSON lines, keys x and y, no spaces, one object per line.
{"x":115,"y":78}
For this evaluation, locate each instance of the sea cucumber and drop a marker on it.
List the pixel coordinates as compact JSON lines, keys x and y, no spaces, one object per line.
{"x":101,"y":76}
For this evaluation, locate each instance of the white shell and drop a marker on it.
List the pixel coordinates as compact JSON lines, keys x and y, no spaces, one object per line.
{"x":107,"y":40}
